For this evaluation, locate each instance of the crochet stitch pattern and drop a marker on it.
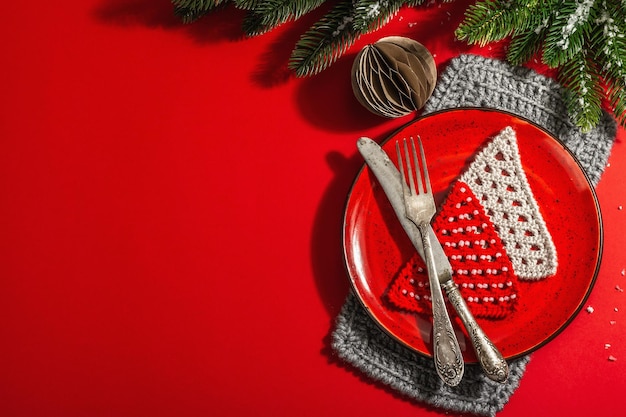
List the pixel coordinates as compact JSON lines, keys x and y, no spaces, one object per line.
{"x":469,"y":81}
{"x":498,"y":179}
{"x":480,"y":265}
{"x":360,"y":342}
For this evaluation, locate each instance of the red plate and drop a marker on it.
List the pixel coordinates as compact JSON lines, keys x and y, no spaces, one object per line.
{"x":375,"y":246}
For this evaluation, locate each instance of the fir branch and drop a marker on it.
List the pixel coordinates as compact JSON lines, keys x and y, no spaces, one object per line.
{"x":197,"y":4}
{"x":580,"y":77}
{"x":568,"y":30}
{"x":246,"y":4}
{"x":370,"y":15}
{"x":253,"y":23}
{"x":325,"y":41}
{"x":609,"y":42}
{"x":264,"y":16}
{"x":491,"y":21}
{"x":187,"y":15}
{"x":526,"y":45}
{"x":527,"y":42}
{"x":189,"y":11}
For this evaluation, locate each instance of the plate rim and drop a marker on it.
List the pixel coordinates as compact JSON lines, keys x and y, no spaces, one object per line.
{"x":590,"y":186}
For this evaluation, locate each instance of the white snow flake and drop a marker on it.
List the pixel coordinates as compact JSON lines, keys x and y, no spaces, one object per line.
{"x":575,"y":20}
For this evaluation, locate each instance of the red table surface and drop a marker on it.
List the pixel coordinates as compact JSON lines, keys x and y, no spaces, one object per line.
{"x":171,"y":204}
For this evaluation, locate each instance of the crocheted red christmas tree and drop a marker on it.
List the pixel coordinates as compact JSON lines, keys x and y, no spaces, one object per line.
{"x":481,"y":267}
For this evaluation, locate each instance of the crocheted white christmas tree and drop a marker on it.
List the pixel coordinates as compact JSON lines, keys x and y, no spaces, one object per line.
{"x":497,"y":178}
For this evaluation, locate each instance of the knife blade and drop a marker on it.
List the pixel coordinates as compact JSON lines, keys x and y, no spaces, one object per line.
{"x":388,"y":176}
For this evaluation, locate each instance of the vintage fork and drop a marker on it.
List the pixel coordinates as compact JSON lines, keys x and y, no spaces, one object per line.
{"x":420,"y":208}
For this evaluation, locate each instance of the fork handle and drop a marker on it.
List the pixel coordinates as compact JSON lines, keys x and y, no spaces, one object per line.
{"x":446,"y":351}
{"x":488,"y":355}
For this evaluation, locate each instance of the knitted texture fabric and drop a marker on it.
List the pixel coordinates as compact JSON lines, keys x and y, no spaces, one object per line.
{"x":469,"y":81}
{"x":360,"y":342}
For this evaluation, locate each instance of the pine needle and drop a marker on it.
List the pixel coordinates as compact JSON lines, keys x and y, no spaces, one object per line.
{"x":582,"y":81}
{"x":189,"y":11}
{"x":568,"y":31}
{"x":525,"y":46}
{"x":325,"y":41}
{"x":370,"y":15}
{"x":264,"y":16}
{"x":491,"y":21}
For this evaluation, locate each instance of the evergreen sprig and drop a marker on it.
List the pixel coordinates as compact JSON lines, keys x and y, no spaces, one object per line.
{"x":327,"y":40}
{"x":584,"y":39}
{"x":324,"y":42}
{"x":321,"y":45}
{"x":580,"y":76}
{"x":611,"y":43}
{"x":567,"y":32}
{"x":491,"y":21}
{"x":191,"y":10}
{"x":370,"y":15}
{"x":264,"y":16}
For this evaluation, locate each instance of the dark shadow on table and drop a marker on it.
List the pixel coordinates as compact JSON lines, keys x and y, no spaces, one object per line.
{"x":273,"y":67}
{"x":223,"y":23}
{"x":327,"y":101}
{"x":326,"y":242}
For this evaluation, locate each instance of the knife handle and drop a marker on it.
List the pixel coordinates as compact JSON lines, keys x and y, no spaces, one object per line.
{"x":488,"y":355}
{"x":446,"y":351}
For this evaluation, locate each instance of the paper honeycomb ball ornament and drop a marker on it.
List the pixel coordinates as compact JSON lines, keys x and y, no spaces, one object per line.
{"x":394,"y":76}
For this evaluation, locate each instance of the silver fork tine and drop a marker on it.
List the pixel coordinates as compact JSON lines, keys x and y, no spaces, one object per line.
{"x":401,"y":168}
{"x":406,"y":189}
{"x":424,"y":165}
{"x":409,"y":168}
{"x":418,"y":170}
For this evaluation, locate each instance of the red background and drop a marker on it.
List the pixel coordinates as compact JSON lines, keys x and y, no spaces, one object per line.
{"x":171,"y":202}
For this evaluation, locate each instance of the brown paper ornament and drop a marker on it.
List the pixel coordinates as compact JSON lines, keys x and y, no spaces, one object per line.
{"x":394,"y":76}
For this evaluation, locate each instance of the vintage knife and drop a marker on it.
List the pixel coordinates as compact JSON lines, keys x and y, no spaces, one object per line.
{"x":491,"y":360}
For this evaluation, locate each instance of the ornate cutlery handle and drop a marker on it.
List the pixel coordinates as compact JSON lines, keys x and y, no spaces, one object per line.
{"x":446,"y":351}
{"x":488,"y":355}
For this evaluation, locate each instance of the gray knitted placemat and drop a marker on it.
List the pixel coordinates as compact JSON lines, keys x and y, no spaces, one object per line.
{"x":469,"y":81}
